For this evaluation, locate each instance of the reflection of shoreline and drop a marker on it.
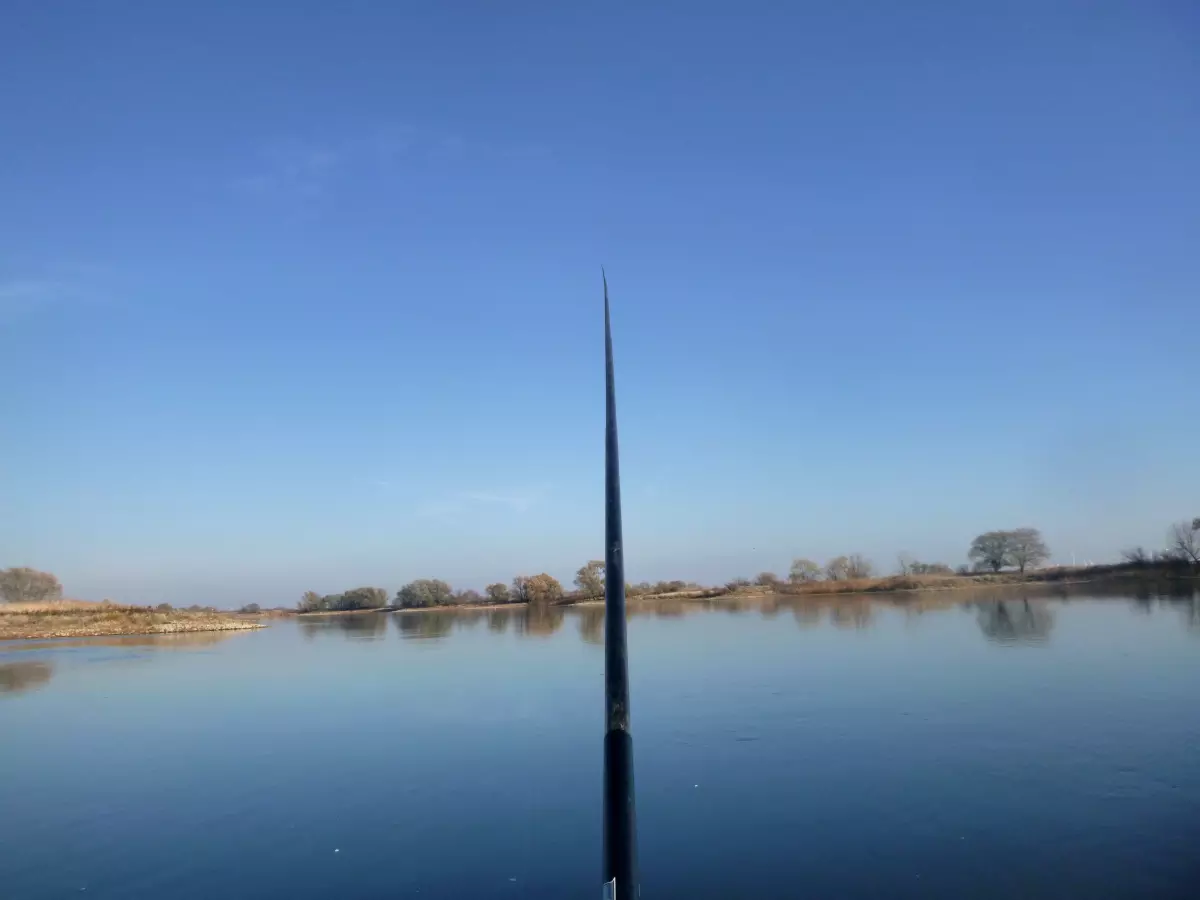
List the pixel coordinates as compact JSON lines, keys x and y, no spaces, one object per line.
{"x":16,"y":677}
{"x":166,"y":639}
{"x":892,"y":588}
{"x":1004,"y":617}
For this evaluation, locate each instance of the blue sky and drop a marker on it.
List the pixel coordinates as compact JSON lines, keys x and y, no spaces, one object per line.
{"x":307,"y":295}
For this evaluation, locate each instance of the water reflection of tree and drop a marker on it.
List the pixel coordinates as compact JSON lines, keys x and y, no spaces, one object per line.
{"x":363,"y":626}
{"x":359,"y":626}
{"x":591,"y":624}
{"x":666,"y":609}
{"x":851,"y":614}
{"x":1015,"y":621}
{"x":540,"y":620}
{"x":807,"y":615}
{"x":1179,"y":596}
{"x":498,"y":619}
{"x":730,"y":605}
{"x":1190,"y":608}
{"x":24,"y":676}
{"x":424,"y":625}
{"x":469,"y":618}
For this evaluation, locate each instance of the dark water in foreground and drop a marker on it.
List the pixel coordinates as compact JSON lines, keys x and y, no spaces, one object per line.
{"x":1025,"y":749}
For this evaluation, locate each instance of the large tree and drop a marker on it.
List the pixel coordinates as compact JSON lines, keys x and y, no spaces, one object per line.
{"x":804,"y":571}
{"x":1023,"y":548}
{"x":838,"y":568}
{"x":858,"y":566}
{"x":364,"y":598}
{"x":1026,"y":548}
{"x":310,"y":602}
{"x":424,"y":592}
{"x":590,"y":579}
{"x":543,"y":589}
{"x":24,"y":585}
{"x":992,"y":550}
{"x":497,"y":593}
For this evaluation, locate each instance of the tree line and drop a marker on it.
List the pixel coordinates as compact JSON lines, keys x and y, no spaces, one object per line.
{"x":541,"y":589}
{"x":425,"y":593}
{"x":1021,"y":549}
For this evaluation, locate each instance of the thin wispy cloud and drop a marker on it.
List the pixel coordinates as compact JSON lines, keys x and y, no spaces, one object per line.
{"x":311,"y":168}
{"x":514,"y":502}
{"x":21,"y":297}
{"x":296,"y":168}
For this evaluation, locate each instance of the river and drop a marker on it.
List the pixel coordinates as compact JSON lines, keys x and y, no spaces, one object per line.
{"x":967,"y":746}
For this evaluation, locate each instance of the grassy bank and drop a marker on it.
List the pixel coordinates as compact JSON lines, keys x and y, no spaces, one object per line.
{"x":849,"y":588}
{"x":1054,"y":575}
{"x":75,"y":618}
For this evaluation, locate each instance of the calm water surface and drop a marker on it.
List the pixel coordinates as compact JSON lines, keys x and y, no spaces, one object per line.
{"x":1039,"y":748}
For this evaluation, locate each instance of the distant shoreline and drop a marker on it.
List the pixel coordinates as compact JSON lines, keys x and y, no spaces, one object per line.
{"x":827,"y":591}
{"x":76,"y":619}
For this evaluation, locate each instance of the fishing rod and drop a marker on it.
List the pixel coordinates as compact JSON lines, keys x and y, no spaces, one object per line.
{"x":620,"y":820}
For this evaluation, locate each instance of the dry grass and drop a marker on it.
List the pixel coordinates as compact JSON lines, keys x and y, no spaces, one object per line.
{"x":892,"y":583}
{"x":78,"y":618}
{"x":888,"y":583}
{"x":56,"y":607}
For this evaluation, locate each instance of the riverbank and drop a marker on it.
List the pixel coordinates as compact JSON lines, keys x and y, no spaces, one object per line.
{"x":74,"y":618}
{"x":858,"y":587}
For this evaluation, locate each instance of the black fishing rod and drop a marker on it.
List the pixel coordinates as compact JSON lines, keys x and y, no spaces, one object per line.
{"x":620,"y":820}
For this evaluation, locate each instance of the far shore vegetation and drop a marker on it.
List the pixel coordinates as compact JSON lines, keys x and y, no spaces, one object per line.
{"x":32,"y":603}
{"x":997,"y":558}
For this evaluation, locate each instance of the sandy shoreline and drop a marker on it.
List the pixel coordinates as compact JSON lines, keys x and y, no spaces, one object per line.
{"x":71,"y":619}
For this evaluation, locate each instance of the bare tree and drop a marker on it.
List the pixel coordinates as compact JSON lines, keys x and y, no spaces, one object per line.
{"x":838,"y":568}
{"x":767,"y":579}
{"x":520,"y":589}
{"x":858,"y":566}
{"x":992,"y":550}
{"x":310,"y":602}
{"x":804,"y":571}
{"x":1026,"y":548}
{"x":1185,"y":541}
{"x":905,"y":563}
{"x":1136,"y":555}
{"x":24,"y":585}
